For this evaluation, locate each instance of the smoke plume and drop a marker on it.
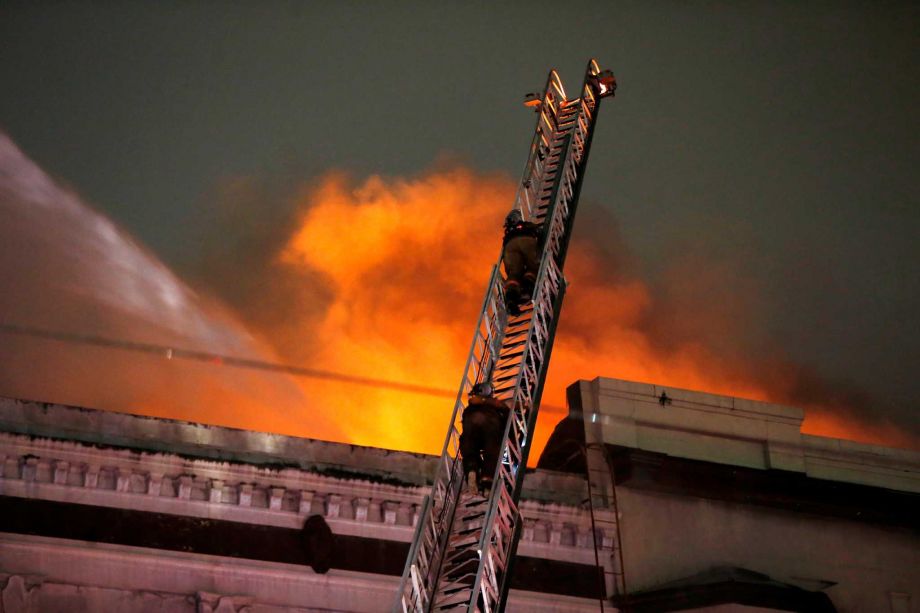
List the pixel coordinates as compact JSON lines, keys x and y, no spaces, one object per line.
{"x":65,"y":267}
{"x":375,"y":278}
{"x":383,"y":277}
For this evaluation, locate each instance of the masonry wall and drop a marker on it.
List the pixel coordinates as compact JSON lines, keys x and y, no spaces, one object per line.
{"x":109,"y":512}
{"x":668,"y":537}
{"x":709,"y":481}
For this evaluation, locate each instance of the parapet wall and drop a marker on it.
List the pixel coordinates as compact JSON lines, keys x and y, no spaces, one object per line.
{"x":106,"y":506}
{"x":733,"y":431}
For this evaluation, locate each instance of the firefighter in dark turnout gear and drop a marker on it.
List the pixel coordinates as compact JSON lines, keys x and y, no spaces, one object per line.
{"x":484,"y":421}
{"x":520,"y":257}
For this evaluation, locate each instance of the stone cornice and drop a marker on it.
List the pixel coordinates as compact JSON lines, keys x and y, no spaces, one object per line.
{"x":66,"y":471}
{"x":733,"y":431}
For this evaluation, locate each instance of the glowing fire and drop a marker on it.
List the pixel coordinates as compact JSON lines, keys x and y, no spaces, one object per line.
{"x":407,"y":263}
{"x":379,"y":279}
{"x":407,"y":260}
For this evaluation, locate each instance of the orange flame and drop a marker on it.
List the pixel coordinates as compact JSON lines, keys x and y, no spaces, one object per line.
{"x":406,"y":262}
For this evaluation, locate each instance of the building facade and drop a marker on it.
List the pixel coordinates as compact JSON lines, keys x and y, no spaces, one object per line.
{"x":724,"y":505}
{"x":114,"y":512}
{"x":720,"y":504}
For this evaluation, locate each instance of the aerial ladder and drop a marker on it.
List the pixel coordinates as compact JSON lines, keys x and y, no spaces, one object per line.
{"x":460,"y":558}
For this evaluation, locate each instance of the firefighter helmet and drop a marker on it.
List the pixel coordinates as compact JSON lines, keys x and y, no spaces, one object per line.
{"x":481,"y":389}
{"x":513,"y":218}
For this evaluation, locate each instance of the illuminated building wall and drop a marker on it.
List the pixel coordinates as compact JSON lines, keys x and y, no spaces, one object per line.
{"x":114,"y":512}
{"x":723,"y":505}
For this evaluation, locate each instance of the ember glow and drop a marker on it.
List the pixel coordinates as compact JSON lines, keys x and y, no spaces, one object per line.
{"x":377,"y":280}
{"x":65,"y":267}
{"x":407,"y":261}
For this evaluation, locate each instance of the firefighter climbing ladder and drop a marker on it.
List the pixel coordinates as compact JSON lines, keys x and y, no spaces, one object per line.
{"x":464,"y":545}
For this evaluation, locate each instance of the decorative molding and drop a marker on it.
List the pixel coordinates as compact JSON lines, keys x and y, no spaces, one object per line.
{"x":76,"y":472}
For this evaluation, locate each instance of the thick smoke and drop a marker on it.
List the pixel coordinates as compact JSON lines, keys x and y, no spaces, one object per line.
{"x":378,"y":278}
{"x":65,"y":267}
{"x":384,"y":277}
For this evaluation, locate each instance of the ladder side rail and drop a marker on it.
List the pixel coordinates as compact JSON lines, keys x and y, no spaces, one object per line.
{"x":522,"y":409}
{"x":564,"y":212}
{"x":575,"y":164}
{"x":552,"y":179}
{"x":411,"y":590}
{"x":603,"y":500}
{"x":584,"y":134}
{"x":497,"y":536}
{"x":534,"y":167}
{"x":490,"y":327}
{"x":528,"y":190}
{"x":532,"y":384}
{"x":538,"y":394}
{"x":545,"y":320}
{"x":515,"y":441}
{"x":496,"y":542}
{"x":478,"y":370}
{"x":447,"y":480}
{"x":498,"y":528}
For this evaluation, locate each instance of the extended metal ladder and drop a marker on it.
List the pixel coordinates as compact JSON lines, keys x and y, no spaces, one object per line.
{"x":463,"y":546}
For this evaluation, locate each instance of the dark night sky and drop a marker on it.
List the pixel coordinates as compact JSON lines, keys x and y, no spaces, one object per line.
{"x":779,"y":139}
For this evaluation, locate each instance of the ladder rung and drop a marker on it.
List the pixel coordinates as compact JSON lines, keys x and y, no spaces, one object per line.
{"x":452,"y":605}
{"x":505,"y":361}
{"x":458,"y":555}
{"x":451,"y":590}
{"x":462,"y":542}
{"x":513,"y":345}
{"x":523,"y":323}
{"x":469,"y":520}
{"x":459,"y":573}
{"x":462,"y":580}
{"x":475,"y":515}
{"x":469,"y":530}
{"x":458,"y":588}
{"x":449,"y":601}
{"x":457,"y":567}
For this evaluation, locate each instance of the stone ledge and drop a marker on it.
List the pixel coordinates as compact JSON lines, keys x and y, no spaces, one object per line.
{"x":733,"y":431}
{"x":157,"y":435}
{"x":121,"y":478}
